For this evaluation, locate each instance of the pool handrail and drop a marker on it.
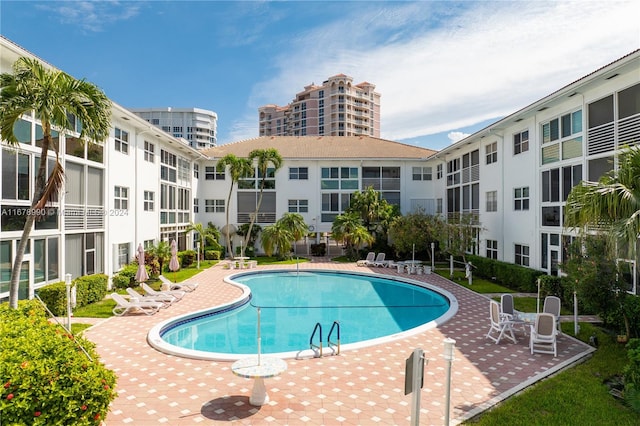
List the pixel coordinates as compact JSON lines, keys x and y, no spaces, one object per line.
{"x":318,"y":327}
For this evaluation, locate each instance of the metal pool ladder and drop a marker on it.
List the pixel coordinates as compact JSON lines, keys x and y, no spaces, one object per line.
{"x":334,"y":346}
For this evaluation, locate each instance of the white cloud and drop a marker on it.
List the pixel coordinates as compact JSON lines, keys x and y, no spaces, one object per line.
{"x":457,"y":136}
{"x":92,"y":16}
{"x":439,"y":71}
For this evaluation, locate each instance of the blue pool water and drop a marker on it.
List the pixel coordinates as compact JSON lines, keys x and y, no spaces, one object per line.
{"x":366,"y":307}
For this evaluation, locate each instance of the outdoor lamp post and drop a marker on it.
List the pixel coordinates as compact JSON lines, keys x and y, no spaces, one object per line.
{"x":449,"y":346}
{"x":68,"y":284}
{"x":433,"y":253}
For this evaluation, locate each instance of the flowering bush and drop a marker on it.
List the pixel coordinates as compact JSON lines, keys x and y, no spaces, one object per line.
{"x":46,"y":378}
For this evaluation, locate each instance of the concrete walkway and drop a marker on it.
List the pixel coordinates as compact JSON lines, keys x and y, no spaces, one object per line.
{"x":358,"y":387}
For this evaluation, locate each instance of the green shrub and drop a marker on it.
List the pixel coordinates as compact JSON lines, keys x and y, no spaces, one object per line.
{"x":55,"y":297}
{"x":512,"y":276}
{"x":187,"y":258}
{"x":212,"y":255}
{"x":120,"y":281}
{"x":89,"y":289}
{"x":632,"y":375}
{"x":46,"y":378}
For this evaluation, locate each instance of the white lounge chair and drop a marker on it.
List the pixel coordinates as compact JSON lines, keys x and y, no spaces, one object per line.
{"x":499,"y":325}
{"x":148,"y":291}
{"x":543,"y":335}
{"x":124,"y":306}
{"x":166,"y":299}
{"x":368,"y":261}
{"x":552,"y":305}
{"x":380,"y":260}
{"x":188,"y":287}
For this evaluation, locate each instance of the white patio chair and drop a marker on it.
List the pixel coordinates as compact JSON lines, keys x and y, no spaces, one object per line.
{"x":543,"y":335}
{"x":368,"y":261}
{"x":552,"y":305}
{"x":500,"y":327}
{"x":166,"y":299}
{"x":380,"y":260}
{"x":124,"y":306}
{"x":148,"y":291}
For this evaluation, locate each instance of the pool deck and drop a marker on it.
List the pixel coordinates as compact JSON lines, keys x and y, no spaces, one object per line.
{"x":357,"y":387}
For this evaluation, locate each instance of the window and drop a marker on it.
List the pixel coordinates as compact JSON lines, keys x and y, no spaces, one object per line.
{"x":421,"y":173}
{"x":439,"y":206}
{"x":439,"y":171}
{"x":196,"y":205}
{"x":298,"y":206}
{"x":15,"y":175}
{"x":453,"y":172}
{"x":492,"y":201}
{"x":149,"y":152}
{"x":123,"y":255}
{"x":122,"y":141}
{"x":492,"y":152}
{"x":298,"y":173}
{"x":521,"y":142}
{"x":492,"y":249}
{"x":521,"y":198}
{"x":551,"y":185}
{"x":212,"y":173}
{"x":562,"y":138}
{"x":120,"y":198}
{"x":196,"y":171}
{"x":214,"y":206}
{"x":522,"y":255}
{"x":551,"y":216}
{"x":168,"y":169}
{"x":149,"y":197}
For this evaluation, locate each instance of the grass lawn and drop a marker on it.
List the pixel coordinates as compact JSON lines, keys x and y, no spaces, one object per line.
{"x":480,"y":285}
{"x":272,"y":260}
{"x":183,"y":274}
{"x":576,"y":396}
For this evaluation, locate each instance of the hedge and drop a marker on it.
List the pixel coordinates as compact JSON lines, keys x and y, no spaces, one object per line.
{"x":512,"y":276}
{"x":89,"y":289}
{"x":46,"y":378}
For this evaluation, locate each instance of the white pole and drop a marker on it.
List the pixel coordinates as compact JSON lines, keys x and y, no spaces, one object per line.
{"x":538,"y":298}
{"x":449,"y":345}
{"x":576,"y":326}
{"x":259,"y":338}
{"x":433,"y":253}
{"x":451,"y":266}
{"x":68,"y":285}
{"x":413,"y":255}
{"x":416,"y":379}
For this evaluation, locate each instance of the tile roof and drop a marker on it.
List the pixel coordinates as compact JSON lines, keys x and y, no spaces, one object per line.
{"x":319,"y":147}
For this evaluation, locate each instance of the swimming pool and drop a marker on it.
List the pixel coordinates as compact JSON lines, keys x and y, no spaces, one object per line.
{"x":369,"y":308}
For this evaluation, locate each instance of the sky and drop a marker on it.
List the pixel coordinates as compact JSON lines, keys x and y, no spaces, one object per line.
{"x":445,"y":69}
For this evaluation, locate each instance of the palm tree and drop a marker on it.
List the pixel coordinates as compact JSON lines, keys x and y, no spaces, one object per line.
{"x":294,"y":222}
{"x":265,"y":158}
{"x":162,"y":252}
{"x":349,"y":229}
{"x":277,"y":236}
{"x":55,"y":97}
{"x":238,"y":168}
{"x":611,"y":205}
{"x":209,"y":233}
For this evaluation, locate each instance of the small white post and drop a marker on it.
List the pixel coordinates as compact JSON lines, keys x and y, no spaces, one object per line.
{"x":538,"y":297}
{"x":416,"y":380}
{"x":576,"y":326}
{"x":68,"y":285}
{"x":449,"y":345}
{"x":433,"y":254}
{"x":451,"y":266}
{"x":259,"y":338}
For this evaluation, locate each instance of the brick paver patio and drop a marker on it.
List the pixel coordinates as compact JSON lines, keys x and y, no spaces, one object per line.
{"x":357,"y":387}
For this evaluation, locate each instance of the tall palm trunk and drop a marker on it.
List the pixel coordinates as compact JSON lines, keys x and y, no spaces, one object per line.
{"x":255,"y":215}
{"x":227,"y":236}
{"x":37,"y":201}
